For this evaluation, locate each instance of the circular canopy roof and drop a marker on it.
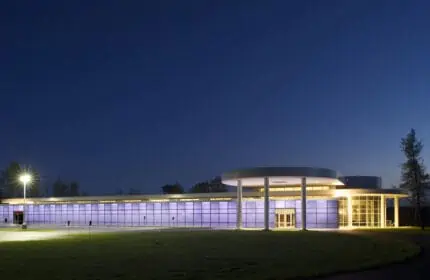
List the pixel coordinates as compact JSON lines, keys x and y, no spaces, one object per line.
{"x":281,"y":176}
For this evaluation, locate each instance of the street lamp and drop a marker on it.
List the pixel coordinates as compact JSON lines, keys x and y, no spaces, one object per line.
{"x":25,"y":178}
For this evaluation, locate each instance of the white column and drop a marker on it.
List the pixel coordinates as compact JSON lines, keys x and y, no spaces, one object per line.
{"x":304,"y":203}
{"x":239,"y":205}
{"x":396,"y":211}
{"x":266,"y":203}
{"x":24,"y":218}
{"x":382,"y":210}
{"x":349,"y":209}
{"x":385,"y":213}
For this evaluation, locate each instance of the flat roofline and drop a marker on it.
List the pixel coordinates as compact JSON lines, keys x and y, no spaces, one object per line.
{"x":123,"y":197}
{"x":332,"y":193}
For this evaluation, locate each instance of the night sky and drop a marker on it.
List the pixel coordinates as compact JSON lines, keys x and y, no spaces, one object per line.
{"x":136,"y":94}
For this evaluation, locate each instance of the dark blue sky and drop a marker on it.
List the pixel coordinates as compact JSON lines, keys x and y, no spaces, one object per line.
{"x":120,"y":94}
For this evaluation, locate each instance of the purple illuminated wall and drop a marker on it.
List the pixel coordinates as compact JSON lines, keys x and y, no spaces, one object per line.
{"x":216,"y":214}
{"x":319,"y":214}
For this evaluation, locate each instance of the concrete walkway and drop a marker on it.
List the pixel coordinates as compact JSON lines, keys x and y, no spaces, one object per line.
{"x":6,"y":236}
{"x":43,"y":232}
{"x":416,"y":268}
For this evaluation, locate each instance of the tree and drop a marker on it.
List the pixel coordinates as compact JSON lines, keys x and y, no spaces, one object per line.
{"x":211,"y":186}
{"x":172,"y":188}
{"x":74,"y":189}
{"x":133,"y":191}
{"x":33,"y":189}
{"x":60,"y":188}
{"x":46,"y":191}
{"x":414,"y":177}
{"x":12,"y":187}
{"x":2,"y":184}
{"x":12,"y":184}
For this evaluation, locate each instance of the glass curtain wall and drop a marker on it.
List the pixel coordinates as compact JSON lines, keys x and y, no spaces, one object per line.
{"x":217,"y":214}
{"x":174,"y":214}
{"x":343,"y":212}
{"x":366,"y":211}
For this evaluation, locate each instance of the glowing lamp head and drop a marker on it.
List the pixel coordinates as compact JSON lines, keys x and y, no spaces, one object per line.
{"x":25,"y":178}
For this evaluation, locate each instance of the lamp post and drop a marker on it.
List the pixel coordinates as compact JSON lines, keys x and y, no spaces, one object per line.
{"x":25,"y":178}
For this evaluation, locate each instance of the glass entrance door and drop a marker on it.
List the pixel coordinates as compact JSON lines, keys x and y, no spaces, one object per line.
{"x":285,"y":218}
{"x":18,"y":217}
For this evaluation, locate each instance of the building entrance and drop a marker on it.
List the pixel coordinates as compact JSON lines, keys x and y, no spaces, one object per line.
{"x":285,"y":218}
{"x":18,"y":217}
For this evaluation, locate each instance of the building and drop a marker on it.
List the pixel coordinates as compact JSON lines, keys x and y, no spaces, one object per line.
{"x":366,"y":182}
{"x":266,"y":198}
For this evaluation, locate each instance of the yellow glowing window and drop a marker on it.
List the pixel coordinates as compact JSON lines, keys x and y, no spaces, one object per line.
{"x":295,"y":189}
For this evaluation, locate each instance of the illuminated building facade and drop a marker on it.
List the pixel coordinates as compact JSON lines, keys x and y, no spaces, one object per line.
{"x":266,"y":198}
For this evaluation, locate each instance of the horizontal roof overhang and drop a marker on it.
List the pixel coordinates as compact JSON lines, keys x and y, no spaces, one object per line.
{"x":206,"y":196}
{"x":278,"y":176}
{"x":358,"y":191}
{"x":110,"y":198}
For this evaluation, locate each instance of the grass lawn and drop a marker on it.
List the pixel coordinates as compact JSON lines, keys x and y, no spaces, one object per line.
{"x":197,"y":255}
{"x":417,"y":230}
